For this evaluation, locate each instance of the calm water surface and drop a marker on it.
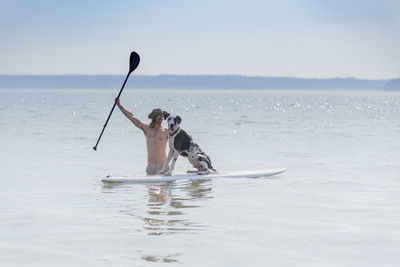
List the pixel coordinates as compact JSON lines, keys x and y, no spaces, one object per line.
{"x":337,"y":204}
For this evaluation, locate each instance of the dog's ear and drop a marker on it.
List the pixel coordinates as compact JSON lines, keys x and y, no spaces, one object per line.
{"x":166,"y":116}
{"x":179,"y":119}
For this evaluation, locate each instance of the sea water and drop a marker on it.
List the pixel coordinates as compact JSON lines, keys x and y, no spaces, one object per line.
{"x":337,"y":204}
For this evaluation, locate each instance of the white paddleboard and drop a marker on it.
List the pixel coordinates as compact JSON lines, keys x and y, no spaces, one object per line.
{"x":160,"y":178}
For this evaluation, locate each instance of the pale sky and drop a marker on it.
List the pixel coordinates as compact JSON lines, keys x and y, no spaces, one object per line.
{"x":303,"y":38}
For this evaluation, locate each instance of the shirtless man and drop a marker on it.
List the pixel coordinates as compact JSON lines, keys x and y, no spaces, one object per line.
{"x":156,"y":137}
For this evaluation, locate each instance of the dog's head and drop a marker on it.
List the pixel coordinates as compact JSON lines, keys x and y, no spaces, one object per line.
{"x":173,"y":121}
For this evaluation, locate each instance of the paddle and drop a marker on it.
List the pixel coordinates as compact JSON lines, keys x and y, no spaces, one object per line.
{"x":133,"y":63}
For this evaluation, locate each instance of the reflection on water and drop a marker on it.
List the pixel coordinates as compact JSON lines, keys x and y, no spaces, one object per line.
{"x":167,"y":204}
{"x":168,"y":258}
{"x":164,"y":211}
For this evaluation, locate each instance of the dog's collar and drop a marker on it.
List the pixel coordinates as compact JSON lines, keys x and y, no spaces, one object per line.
{"x":175,"y":132}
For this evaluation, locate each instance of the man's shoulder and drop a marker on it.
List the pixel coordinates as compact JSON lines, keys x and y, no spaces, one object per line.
{"x":145,"y":127}
{"x":157,"y":129}
{"x":160,"y":128}
{"x":164,"y":130}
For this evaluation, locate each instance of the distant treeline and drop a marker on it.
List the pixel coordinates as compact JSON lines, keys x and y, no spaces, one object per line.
{"x":393,"y":84}
{"x":190,"y":82}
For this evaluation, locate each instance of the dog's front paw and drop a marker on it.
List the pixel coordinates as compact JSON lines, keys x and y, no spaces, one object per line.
{"x":161,"y":172}
{"x":204,"y":172}
{"x":169,"y":173}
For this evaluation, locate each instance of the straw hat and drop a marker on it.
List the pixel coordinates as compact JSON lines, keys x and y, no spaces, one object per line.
{"x":156,"y":112}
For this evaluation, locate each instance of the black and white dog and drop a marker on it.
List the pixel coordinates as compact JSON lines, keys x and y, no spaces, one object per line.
{"x":180,"y":143}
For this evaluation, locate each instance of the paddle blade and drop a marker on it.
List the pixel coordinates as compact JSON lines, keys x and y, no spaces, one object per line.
{"x":133,"y":61}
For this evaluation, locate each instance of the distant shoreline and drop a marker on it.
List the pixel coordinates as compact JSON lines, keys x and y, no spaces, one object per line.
{"x":211,"y":82}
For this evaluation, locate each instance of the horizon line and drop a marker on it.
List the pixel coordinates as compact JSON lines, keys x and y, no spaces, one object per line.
{"x":241,"y":75}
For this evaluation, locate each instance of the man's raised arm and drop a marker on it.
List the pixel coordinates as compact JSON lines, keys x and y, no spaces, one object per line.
{"x":130,"y":116}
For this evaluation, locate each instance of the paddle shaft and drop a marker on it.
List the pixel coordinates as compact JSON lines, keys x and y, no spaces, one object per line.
{"x":109,"y":116}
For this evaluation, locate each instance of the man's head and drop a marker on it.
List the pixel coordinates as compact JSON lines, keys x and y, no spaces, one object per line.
{"x":156,"y":117}
{"x":173,"y":121}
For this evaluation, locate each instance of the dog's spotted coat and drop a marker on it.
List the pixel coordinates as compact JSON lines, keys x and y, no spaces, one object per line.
{"x":181,"y":143}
